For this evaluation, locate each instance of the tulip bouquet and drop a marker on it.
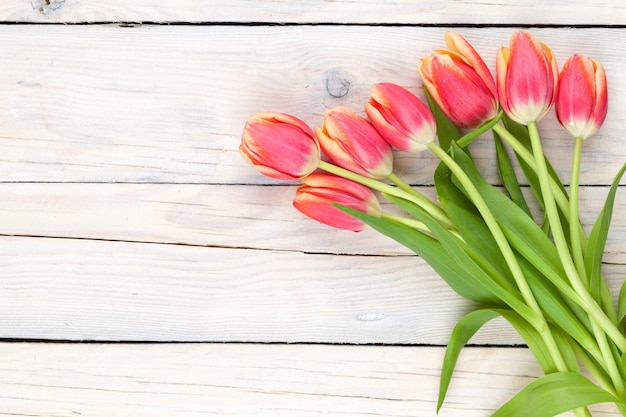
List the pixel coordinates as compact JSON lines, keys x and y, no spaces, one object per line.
{"x":538,"y":269}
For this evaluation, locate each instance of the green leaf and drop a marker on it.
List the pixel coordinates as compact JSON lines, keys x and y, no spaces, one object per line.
{"x":566,"y":315}
{"x":621,"y":303}
{"x":532,"y":338}
{"x":473,"y":321}
{"x":565,"y":343}
{"x":521,"y":231}
{"x":468,"y":138}
{"x":458,"y":252}
{"x":461,"y":334}
{"x":508,"y":177}
{"x":447,"y":132}
{"x":597,"y":241}
{"x":467,"y":220}
{"x":521,"y":133}
{"x":554,"y":394}
{"x":433,"y":253}
{"x":506,"y":211}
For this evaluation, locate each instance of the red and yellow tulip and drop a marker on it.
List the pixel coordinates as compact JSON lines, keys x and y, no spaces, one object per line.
{"x":527,"y":76}
{"x":351,"y":142}
{"x":582,"y":98}
{"x":279,"y":145}
{"x":319,"y":191}
{"x":400,"y":117}
{"x":460,"y":83}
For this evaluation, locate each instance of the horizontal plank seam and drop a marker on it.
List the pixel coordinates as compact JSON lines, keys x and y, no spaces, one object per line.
{"x":198,"y":245}
{"x":132,"y":24}
{"x":152,"y":342}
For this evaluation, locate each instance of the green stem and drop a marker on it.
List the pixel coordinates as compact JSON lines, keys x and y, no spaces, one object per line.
{"x":579,"y":262}
{"x":575,"y":242}
{"x":529,"y":159}
{"x":589,"y":304}
{"x":591,"y":366}
{"x":577,"y":238}
{"x":426,"y":203}
{"x":582,"y":412}
{"x":415,"y":224}
{"x":401,"y":184}
{"x":412,"y":223}
{"x":560,"y":197}
{"x":414,"y":197}
{"x":465,"y":140}
{"x":609,"y":361}
{"x":509,"y":256}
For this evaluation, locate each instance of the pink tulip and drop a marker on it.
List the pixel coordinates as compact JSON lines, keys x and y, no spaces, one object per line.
{"x":351,"y":142}
{"x":400,"y":117}
{"x":527,"y":78}
{"x":582,"y":98}
{"x":315,"y":197}
{"x":460,"y":83}
{"x":280,"y":146}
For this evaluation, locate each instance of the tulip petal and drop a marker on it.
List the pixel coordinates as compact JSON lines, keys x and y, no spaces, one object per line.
{"x":460,"y":83}
{"x":357,"y":142}
{"x":602,"y":99}
{"x":400,"y":117}
{"x":315,"y":204}
{"x":527,"y":76}
{"x":475,"y":105}
{"x":464,"y":49}
{"x":273,"y":147}
{"x":279,"y":146}
{"x":581,"y":102}
{"x":315,"y":198}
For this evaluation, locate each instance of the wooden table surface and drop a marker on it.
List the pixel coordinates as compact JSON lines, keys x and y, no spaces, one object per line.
{"x":146,"y":270}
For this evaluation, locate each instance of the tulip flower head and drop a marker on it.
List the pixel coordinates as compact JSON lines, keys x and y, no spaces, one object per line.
{"x":280,"y":146}
{"x":351,"y":142}
{"x":527,"y":77}
{"x":319,"y":191}
{"x":400,"y":117}
{"x":460,"y":83}
{"x":582,"y":98}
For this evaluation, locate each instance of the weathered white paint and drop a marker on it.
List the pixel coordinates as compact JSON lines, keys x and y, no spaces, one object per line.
{"x":256,"y":380}
{"x":126,"y":212}
{"x":168,"y":103}
{"x":245,"y":216}
{"x":604,"y":12}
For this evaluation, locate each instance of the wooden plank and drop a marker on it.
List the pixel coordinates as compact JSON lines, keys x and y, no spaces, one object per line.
{"x":72,"y":289}
{"x":168,"y":103}
{"x":212,"y":215}
{"x":99,"y":290}
{"x":41,"y":275}
{"x":255,"y":380}
{"x":256,"y":217}
{"x":607,"y":12}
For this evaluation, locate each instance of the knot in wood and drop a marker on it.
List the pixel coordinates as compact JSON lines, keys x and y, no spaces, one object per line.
{"x":46,"y":6}
{"x":337,"y":84}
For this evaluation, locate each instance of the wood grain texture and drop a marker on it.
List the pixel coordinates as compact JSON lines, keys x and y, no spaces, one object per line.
{"x":98,"y":290}
{"x":231,"y":216}
{"x":74,"y":289}
{"x":167,"y":103}
{"x":127,"y":214}
{"x":255,"y":380}
{"x":607,"y":12}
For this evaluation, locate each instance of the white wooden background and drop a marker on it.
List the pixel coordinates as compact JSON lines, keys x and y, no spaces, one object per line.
{"x":146,"y":270}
